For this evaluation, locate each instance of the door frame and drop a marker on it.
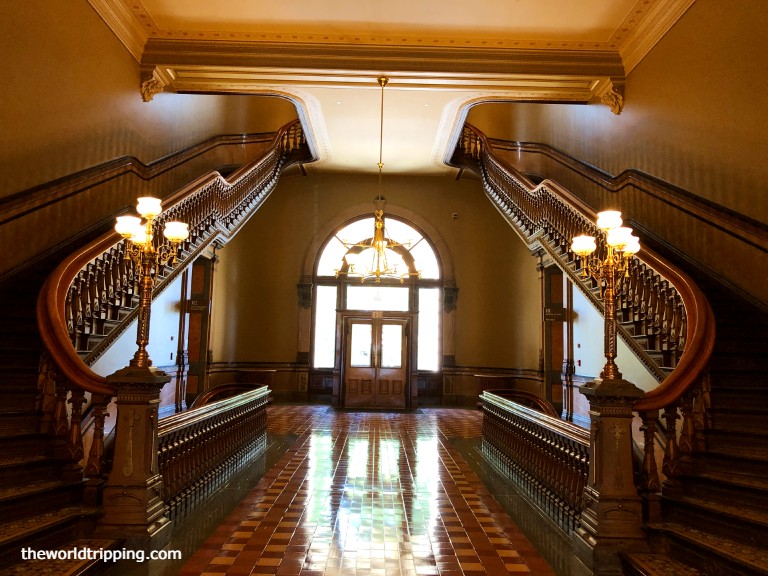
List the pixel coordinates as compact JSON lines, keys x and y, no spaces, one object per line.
{"x":344,"y":318}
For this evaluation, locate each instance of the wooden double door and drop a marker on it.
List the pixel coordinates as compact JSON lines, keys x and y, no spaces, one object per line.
{"x":376,"y":361}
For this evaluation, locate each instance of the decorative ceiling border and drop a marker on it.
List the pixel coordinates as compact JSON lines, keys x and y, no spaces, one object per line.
{"x":643,"y":27}
{"x":642,"y":30}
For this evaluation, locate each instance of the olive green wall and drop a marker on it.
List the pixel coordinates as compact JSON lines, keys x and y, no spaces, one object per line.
{"x":256,"y":310}
{"x":71,"y":99}
{"x":694,"y":114}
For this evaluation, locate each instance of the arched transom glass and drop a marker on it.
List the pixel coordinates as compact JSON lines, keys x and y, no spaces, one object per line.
{"x":411,"y":252}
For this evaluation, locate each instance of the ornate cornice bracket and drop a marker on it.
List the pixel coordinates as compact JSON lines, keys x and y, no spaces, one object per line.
{"x":153,"y":82}
{"x":612,"y":95}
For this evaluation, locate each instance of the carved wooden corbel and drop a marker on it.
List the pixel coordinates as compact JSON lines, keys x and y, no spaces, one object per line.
{"x":613,"y":97}
{"x":152,"y":84}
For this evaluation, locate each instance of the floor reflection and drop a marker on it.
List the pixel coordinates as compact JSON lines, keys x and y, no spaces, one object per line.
{"x":362,"y":493}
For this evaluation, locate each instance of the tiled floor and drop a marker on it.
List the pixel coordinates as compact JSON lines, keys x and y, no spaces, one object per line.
{"x":369,"y":494}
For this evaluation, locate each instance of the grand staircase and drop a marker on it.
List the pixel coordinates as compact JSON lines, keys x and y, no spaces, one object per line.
{"x":40,"y":506}
{"x":715,"y":516}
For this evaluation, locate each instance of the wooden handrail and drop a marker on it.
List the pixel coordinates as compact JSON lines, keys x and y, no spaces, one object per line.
{"x":214,"y":207}
{"x":195,"y":446}
{"x":546,"y":456}
{"x":545,"y":214}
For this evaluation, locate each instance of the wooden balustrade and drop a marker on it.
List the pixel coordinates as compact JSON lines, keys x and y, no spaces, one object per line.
{"x":92,"y":296}
{"x":546,"y":457}
{"x":197,"y":448}
{"x":82,"y":306}
{"x":656,"y":300}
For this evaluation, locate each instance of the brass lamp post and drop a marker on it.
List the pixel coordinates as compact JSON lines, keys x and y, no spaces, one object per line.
{"x":132,"y":505}
{"x":622,"y":245}
{"x":611,"y":519}
{"x":147,"y":257}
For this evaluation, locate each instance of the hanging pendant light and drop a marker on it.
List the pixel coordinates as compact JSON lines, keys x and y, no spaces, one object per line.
{"x":377,"y":258}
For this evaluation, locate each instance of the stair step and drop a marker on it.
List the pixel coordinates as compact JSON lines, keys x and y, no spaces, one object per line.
{"x":746,"y":379}
{"x":713,"y":554}
{"x":61,"y":565}
{"x":737,"y":442}
{"x":18,"y":400}
{"x":15,"y":423}
{"x":730,"y":488}
{"x":17,"y":468}
{"x":38,"y":496}
{"x":739,"y":362}
{"x":726,"y":518}
{"x":743,"y":418}
{"x":725,"y":463}
{"x":45,"y":531}
{"x":732,"y":397}
{"x":647,"y":564}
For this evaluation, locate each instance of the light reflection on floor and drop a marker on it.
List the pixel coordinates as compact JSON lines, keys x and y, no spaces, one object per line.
{"x":366,"y":493}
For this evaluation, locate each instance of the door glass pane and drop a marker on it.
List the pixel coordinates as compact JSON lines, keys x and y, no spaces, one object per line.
{"x":391,"y":345}
{"x":429,"y":329}
{"x":390,"y":298}
{"x":325,"y":327}
{"x":360,"y":346}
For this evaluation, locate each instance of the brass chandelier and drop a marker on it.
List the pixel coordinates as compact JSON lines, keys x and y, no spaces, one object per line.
{"x":368,"y":260}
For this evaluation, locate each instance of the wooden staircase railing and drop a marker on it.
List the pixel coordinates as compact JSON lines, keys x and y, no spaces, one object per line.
{"x":89,"y":299}
{"x":197,"y":447}
{"x":547,"y":457}
{"x":659,"y":302}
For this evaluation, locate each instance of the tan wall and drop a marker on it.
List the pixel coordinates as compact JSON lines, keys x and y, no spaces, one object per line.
{"x":694,"y":115}
{"x":71,"y":100}
{"x":256,"y":311}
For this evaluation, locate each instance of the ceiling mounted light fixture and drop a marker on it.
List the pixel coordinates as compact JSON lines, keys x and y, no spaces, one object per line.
{"x":379,"y":257}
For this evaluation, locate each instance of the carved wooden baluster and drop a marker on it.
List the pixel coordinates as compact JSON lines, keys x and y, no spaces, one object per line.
{"x":60,"y":426}
{"x":46,"y":394}
{"x":665,"y":322}
{"x":74,"y":446}
{"x":671,"y":457}
{"x":648,"y":303}
{"x":650,"y":483}
{"x":87,"y":303}
{"x":93,"y":466}
{"x":686,"y":432}
{"x":701,"y":413}
{"x":80,"y":323}
{"x":678,"y":341}
{"x":650,"y":470}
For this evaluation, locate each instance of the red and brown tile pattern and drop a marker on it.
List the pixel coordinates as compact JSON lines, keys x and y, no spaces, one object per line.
{"x":369,"y":494}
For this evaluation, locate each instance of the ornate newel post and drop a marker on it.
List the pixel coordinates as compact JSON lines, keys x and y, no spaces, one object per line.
{"x":133,"y":504}
{"x":612,"y":518}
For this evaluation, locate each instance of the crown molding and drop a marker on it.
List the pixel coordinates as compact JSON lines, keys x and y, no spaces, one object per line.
{"x":426,"y":60}
{"x":645,"y":28}
{"x":124,"y":22}
{"x":646,"y":24}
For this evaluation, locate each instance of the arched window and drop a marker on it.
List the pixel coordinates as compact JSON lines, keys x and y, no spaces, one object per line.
{"x":340,"y":285}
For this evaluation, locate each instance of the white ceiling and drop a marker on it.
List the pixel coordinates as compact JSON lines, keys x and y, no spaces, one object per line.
{"x":440,"y":57}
